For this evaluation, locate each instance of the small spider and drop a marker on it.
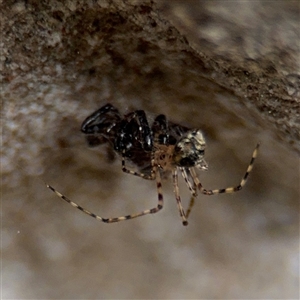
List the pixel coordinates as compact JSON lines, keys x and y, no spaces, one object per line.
{"x":164,"y":148}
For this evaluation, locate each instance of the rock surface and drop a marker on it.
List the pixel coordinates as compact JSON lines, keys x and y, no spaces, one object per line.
{"x":232,"y":70}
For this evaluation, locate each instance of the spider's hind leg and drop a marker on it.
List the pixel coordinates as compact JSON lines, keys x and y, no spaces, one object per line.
{"x":118,"y":219}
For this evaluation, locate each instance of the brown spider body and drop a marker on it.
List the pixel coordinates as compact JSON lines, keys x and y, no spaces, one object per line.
{"x":156,"y":151}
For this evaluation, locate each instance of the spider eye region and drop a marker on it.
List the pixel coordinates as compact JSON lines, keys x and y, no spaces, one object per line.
{"x":189,"y":151}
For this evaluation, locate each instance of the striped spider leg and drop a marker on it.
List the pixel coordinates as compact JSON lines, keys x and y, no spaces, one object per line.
{"x":165,"y":139}
{"x":192,"y":181}
{"x":227,"y":190}
{"x":189,"y":154}
{"x":192,"y":187}
{"x":127,"y":217}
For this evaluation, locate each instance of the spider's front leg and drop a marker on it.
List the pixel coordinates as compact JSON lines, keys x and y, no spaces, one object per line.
{"x":178,"y":199}
{"x":186,"y":174}
{"x":229,"y":189}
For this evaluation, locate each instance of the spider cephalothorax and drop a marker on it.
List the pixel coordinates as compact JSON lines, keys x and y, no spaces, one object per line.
{"x":189,"y":151}
{"x":163,"y":148}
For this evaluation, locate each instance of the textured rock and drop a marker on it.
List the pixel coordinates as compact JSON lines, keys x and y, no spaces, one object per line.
{"x":229,"y":69}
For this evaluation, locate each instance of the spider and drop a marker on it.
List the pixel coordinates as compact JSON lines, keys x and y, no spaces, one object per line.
{"x":157,"y":151}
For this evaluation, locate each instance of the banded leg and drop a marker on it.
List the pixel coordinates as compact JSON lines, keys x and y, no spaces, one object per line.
{"x":128,"y":217}
{"x":178,"y":200}
{"x":191,"y":204}
{"x":229,"y":189}
{"x":142,"y":175}
{"x":186,"y":174}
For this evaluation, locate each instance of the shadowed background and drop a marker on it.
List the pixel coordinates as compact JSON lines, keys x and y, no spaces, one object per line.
{"x":230,"y":69}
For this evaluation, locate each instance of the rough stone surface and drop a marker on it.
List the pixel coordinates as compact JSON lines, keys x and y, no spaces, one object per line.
{"x":254,"y":49}
{"x":232,"y":70}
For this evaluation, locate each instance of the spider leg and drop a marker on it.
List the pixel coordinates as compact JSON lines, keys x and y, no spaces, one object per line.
{"x":229,"y":189}
{"x":117,"y":219}
{"x":179,"y":204}
{"x":142,"y":175}
{"x":191,"y":204}
{"x":193,"y":189}
{"x":186,"y":174}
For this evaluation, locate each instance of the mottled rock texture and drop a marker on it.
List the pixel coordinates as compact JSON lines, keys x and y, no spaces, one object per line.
{"x":230,"y":68}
